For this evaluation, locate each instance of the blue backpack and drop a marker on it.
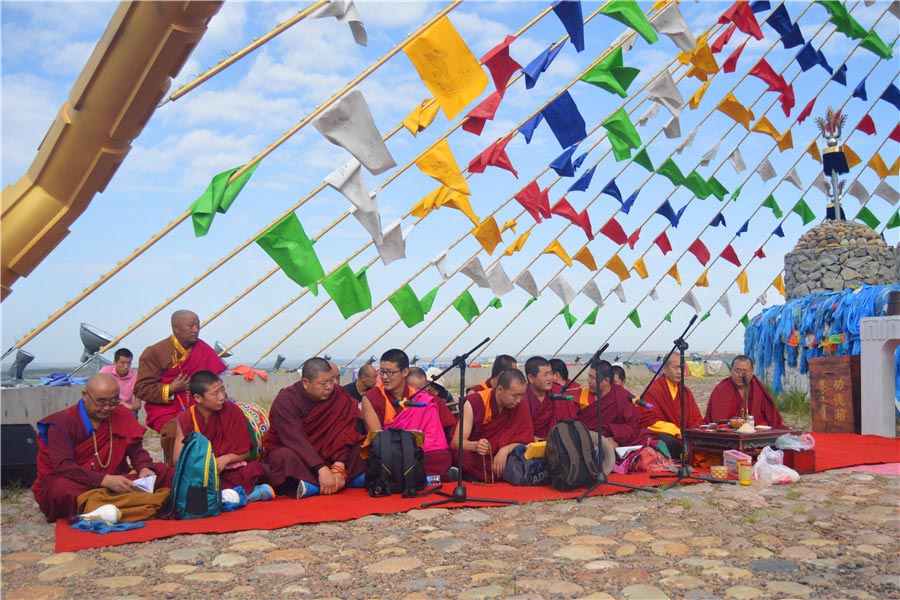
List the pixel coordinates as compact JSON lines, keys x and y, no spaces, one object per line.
{"x":196,"y":491}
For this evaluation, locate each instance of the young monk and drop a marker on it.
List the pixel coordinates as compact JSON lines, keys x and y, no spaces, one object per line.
{"x":494,"y":422}
{"x":620,"y":417}
{"x":225,"y":426}
{"x":545,"y":413}
{"x":503,"y":362}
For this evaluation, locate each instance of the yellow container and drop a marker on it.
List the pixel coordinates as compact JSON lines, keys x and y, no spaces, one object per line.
{"x":745,"y":473}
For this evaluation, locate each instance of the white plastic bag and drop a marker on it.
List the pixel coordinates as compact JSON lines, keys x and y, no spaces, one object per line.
{"x":789,"y":441}
{"x":770,"y":470}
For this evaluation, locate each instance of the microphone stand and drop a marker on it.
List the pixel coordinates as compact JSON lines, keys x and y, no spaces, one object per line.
{"x":684,"y":470}
{"x":601,"y":478}
{"x":459,"y":492}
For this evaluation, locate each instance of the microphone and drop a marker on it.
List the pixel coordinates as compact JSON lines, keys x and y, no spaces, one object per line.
{"x":638,"y":402}
{"x":561,"y":397}
{"x":408,"y":403}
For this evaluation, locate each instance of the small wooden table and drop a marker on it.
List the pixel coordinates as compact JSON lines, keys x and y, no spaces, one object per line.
{"x":716,"y":442}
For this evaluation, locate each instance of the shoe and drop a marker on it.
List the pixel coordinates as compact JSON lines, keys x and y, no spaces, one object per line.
{"x":452,"y":474}
{"x":306,"y":489}
{"x":358,"y":481}
{"x":262,"y":492}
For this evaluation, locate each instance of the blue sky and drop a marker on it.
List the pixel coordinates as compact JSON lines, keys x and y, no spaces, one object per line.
{"x":231,"y":118}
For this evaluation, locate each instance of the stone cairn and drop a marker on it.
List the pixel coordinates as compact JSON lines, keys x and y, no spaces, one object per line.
{"x":835,"y":254}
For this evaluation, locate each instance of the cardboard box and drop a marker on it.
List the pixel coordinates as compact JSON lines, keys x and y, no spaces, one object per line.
{"x":731,"y":459}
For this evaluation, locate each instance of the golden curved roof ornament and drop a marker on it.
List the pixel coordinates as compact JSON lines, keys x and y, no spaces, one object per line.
{"x":129,"y":72}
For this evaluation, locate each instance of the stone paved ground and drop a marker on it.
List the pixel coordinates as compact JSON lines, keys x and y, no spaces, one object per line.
{"x":832,"y":535}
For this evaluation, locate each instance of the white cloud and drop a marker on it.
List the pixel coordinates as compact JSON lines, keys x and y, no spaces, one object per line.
{"x":394,"y":14}
{"x":29,"y":106}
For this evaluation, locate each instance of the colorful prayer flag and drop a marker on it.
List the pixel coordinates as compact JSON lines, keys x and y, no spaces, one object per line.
{"x":805,"y":212}
{"x":618,"y":267}
{"x":629,"y":13}
{"x":611,"y":75}
{"x":217,"y":198}
{"x":292,"y":250}
{"x":488,"y":234}
{"x":621,"y":134}
{"x":439,"y":162}
{"x":349,"y":290}
{"x":421,"y":116}
{"x":466,"y":307}
{"x":556,"y":248}
{"x":635,"y":318}
{"x":348,"y":123}
{"x":568,"y":316}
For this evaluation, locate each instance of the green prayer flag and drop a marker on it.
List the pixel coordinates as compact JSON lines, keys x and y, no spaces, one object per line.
{"x":842,"y":19}
{"x":629,"y":13}
{"x":530,"y":302}
{"x":668,"y":317}
{"x":494,"y":303}
{"x":705,"y":316}
{"x":591,"y":319}
{"x":745,"y":320}
{"x":874,"y":44}
{"x":466,"y":306}
{"x":635,"y":318}
{"x":836,"y":338}
{"x":349,"y":290}
{"x":407,"y":305}
{"x":428,"y":299}
{"x":737,"y":192}
{"x":805,"y":212}
{"x":866,"y":216}
{"x":718,"y":190}
{"x":621,"y":134}
{"x":218,"y":198}
{"x":287,"y":244}
{"x":770,"y":203}
{"x":894,"y":220}
{"x":568,"y":316}
{"x":643,"y":159}
{"x":671,"y":171}
{"x":611,"y":74}
{"x":695,"y":182}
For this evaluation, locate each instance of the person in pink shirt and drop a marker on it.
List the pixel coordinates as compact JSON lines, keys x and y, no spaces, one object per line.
{"x":126,"y":376}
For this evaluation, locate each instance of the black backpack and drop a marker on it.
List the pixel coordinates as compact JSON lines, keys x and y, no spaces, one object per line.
{"x":395,"y":464}
{"x":570,"y":456}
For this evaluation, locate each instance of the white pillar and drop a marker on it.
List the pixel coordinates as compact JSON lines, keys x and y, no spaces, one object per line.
{"x":880,"y":337}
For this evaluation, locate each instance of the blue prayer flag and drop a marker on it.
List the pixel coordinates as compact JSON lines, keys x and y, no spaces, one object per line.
{"x":562,"y":164}
{"x":840,"y":75}
{"x":626,"y":207}
{"x":612,"y":189}
{"x":860,"y":90}
{"x":565,"y":120}
{"x":780,"y":21}
{"x":719,"y":219}
{"x":569,"y":12}
{"x":579,"y":160}
{"x":669,"y":213}
{"x":820,"y":58}
{"x":892,"y":95}
{"x":760,"y":5}
{"x":743,"y":228}
{"x":581,"y":185}
{"x":807,"y":57}
{"x":540,"y":64}
{"x":527,"y":128}
{"x":778,"y":231}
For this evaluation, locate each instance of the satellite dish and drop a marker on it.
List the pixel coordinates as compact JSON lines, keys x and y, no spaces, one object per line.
{"x":327,"y":357}
{"x":415,"y":359}
{"x":93,"y":339}
{"x":371,"y":360}
{"x":18,"y":367}
{"x":220,"y":349}
{"x":279,"y":360}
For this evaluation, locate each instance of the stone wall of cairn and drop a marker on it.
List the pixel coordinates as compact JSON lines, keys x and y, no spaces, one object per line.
{"x":835,"y":254}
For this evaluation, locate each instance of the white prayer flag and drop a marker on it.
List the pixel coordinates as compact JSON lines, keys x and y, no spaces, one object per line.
{"x":663,"y":90}
{"x":710,"y":155}
{"x":619,"y":292}
{"x":648,"y":114}
{"x":672,"y":128}
{"x":345,"y":12}
{"x":691,"y":301}
{"x":669,"y":21}
{"x":475,"y":272}
{"x":526,"y":281}
{"x":562,"y":289}
{"x":371,"y":222}
{"x":349,"y":180}
{"x":765,"y":170}
{"x":499,"y":280}
{"x":737,"y":161}
{"x":688,"y":141}
{"x":887,"y":192}
{"x":393,"y":243}
{"x":858,"y":191}
{"x":593,"y":292}
{"x":762,"y":299}
{"x":654,"y":294}
{"x":726,"y":304}
{"x":821,"y":183}
{"x":794,"y":179}
{"x":894,"y":8}
{"x":440,"y":263}
{"x":348,"y":123}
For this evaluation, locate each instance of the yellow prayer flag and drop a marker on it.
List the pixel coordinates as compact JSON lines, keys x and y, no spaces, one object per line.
{"x":421,"y":116}
{"x":698,"y":95}
{"x":734,"y":109}
{"x":585,"y":257}
{"x":618,"y":267}
{"x":703,"y":281}
{"x":895,"y":168}
{"x":673,"y":273}
{"x":488,"y":234}
{"x":556,"y":248}
{"x":461,"y":203}
{"x":785,"y":141}
{"x":438,"y":162}
{"x":447,"y":67}
{"x":517,"y":245}
{"x":430,"y":202}
{"x":659,"y":4}
{"x":444,"y":196}
{"x":511,"y":224}
{"x":765,"y":126}
{"x":703,"y":62}
{"x":877,"y":165}
{"x":813,"y":151}
{"x":778,"y":284}
{"x":640,"y":268}
{"x":742,"y":283}
{"x":852,"y":157}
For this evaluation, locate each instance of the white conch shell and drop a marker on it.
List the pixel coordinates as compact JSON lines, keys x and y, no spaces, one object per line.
{"x":108,"y":513}
{"x":229,"y":495}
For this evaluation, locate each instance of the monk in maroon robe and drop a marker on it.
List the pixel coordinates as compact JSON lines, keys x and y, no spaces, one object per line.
{"x":560,"y":372}
{"x":313,"y":437}
{"x":225,"y":426}
{"x":545,"y":413}
{"x":95,"y":444}
{"x":619,"y":416}
{"x":503,"y":362}
{"x":164,"y":371}
{"x":664,"y":419}
{"x":391,"y":395}
{"x":494,"y":422}
{"x":742,"y":393}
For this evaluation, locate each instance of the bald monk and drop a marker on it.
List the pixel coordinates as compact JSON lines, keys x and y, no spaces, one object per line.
{"x":621,"y":425}
{"x":503,"y":362}
{"x":494,"y":422}
{"x":365,"y":381}
{"x":742,"y":393}
{"x":664,"y":419}
{"x":223,"y":423}
{"x":545,"y":413}
{"x":90,"y":445}
{"x":164,"y":371}
{"x":312,"y":445}
{"x":383,"y":404}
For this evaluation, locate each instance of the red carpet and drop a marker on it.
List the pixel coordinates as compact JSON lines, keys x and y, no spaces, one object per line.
{"x":833,"y":451}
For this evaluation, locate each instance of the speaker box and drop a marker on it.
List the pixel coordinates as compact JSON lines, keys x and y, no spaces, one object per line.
{"x":18,"y":454}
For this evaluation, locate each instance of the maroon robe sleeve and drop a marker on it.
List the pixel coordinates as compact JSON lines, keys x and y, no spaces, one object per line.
{"x":722,"y":403}
{"x":152,"y":363}
{"x":624,"y":426}
{"x":63,"y":434}
{"x":657,"y":395}
{"x":286,"y":421}
{"x":692,"y":416}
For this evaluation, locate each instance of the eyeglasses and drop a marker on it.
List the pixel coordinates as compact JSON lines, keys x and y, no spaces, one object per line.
{"x":388,"y":372}
{"x":103,"y":403}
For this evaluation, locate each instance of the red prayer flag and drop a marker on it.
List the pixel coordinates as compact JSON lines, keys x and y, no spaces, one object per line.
{"x":699,"y":250}
{"x":723,"y":39}
{"x":500,"y":64}
{"x":730,"y":63}
{"x":662,"y":240}
{"x":634,"y":237}
{"x":486,"y":109}
{"x":493,"y":156}
{"x":544,"y":206}
{"x":564,"y":209}
{"x":614,"y":231}
{"x":742,"y":15}
{"x":583,"y":220}
{"x":807,"y":110}
{"x":764,"y":71}
{"x":731,"y":256}
{"x":759,"y":253}
{"x":867,"y":125}
{"x":895,"y":134}
{"x":530,"y":199}
{"x":787,"y":99}
{"x":580,"y":219}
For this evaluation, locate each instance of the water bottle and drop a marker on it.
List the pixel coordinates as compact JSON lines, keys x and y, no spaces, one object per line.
{"x":433,"y":480}
{"x":751,"y":421}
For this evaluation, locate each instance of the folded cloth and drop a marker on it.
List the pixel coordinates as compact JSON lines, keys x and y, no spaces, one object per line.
{"x":103,"y":528}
